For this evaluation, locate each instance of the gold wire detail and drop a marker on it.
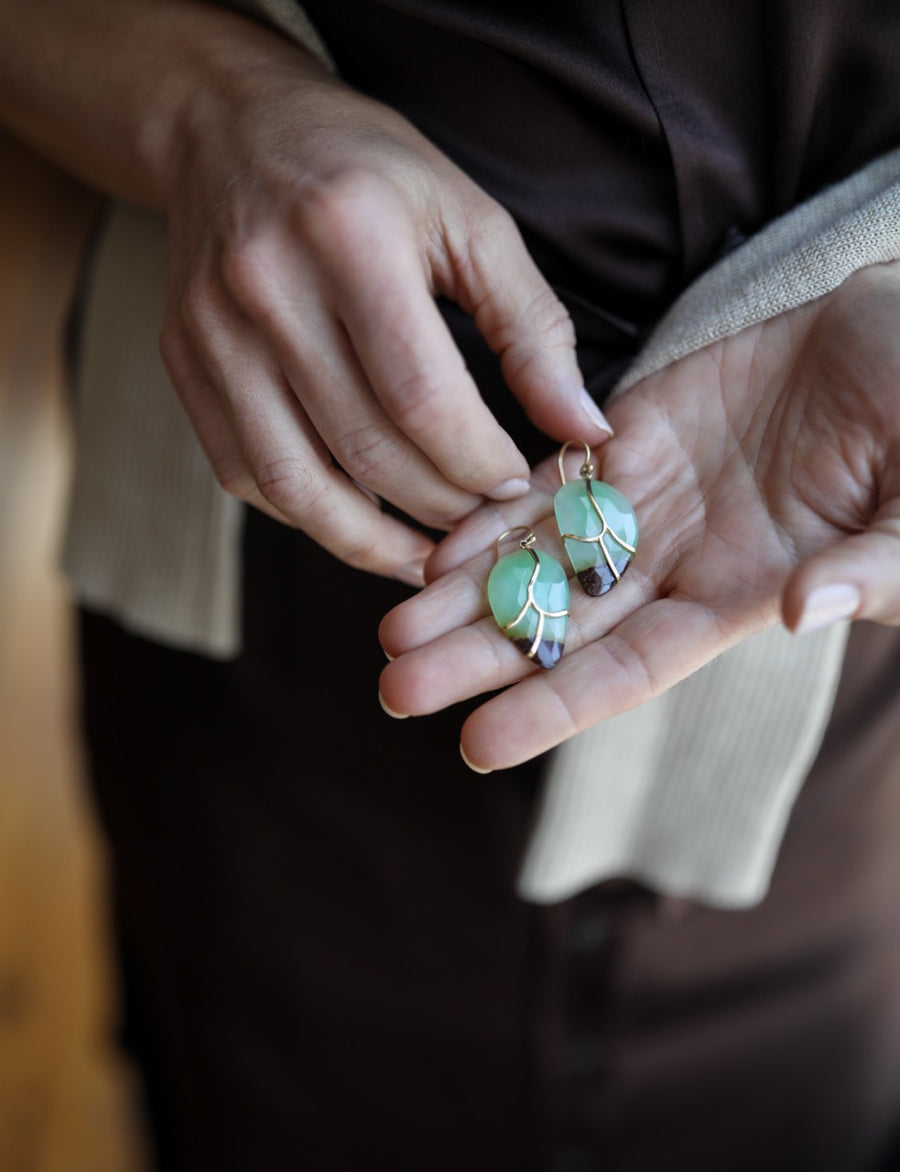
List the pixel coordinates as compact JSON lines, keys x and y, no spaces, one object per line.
{"x":527,"y":541}
{"x":598,"y":540}
{"x":586,"y":471}
{"x":530,"y":602}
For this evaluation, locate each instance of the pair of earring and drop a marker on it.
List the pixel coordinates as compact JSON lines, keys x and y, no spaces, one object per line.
{"x":528,"y":590}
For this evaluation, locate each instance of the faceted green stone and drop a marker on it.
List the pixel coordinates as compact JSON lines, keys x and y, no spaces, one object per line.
{"x":508,"y":594}
{"x":575,"y":514}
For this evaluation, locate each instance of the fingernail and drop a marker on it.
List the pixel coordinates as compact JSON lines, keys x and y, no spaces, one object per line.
{"x":474,"y":768}
{"x":510,"y":489}
{"x":827,"y":605}
{"x":412,"y":574}
{"x":390,"y":711}
{"x":593,"y":412}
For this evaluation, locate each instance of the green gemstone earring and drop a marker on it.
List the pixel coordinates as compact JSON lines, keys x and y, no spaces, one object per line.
{"x":597,"y":524}
{"x":529,"y":594}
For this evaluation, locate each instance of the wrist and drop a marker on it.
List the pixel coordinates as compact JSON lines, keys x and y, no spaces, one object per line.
{"x":115,"y":91}
{"x":231,"y":68}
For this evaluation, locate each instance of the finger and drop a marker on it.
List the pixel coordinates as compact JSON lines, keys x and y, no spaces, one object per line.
{"x":275,"y":460}
{"x":479,"y":531}
{"x":621,"y":463}
{"x":459,"y":596}
{"x":415,"y":369}
{"x":858,"y":578}
{"x":212,"y":426}
{"x":316,"y":354}
{"x":465,"y":662}
{"x":459,"y":566}
{"x":655,"y":648}
{"x":522,"y":320}
{"x":453,"y":601}
{"x":442,"y":664}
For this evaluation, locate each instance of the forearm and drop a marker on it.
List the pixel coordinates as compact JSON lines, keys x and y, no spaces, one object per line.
{"x":116,"y":91}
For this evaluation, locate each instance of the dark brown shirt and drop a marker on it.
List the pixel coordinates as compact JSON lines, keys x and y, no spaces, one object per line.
{"x":633,"y":140}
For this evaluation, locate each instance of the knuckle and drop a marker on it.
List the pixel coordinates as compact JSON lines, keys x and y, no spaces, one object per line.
{"x":447,"y":517}
{"x":367,"y":453}
{"x":233,"y":476}
{"x":290,"y":485}
{"x":194,"y":311}
{"x":567,"y":721}
{"x":550,"y":317}
{"x":542,"y":316}
{"x":548,"y":325}
{"x":488,"y":235}
{"x":635,"y":669}
{"x":248,"y":270}
{"x":361,"y":554}
{"x":491,"y":228}
{"x":493,"y":239}
{"x":337,"y":212}
{"x":417,"y":398}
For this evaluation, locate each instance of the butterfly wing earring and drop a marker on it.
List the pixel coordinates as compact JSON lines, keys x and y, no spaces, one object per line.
{"x":529,"y":595}
{"x":597,"y":524}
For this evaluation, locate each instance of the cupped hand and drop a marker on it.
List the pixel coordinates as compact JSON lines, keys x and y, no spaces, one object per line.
{"x":765,"y":472}
{"x":311,"y":229}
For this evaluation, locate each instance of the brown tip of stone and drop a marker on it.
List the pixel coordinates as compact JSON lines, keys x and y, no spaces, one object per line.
{"x":600,"y":579}
{"x":548,"y":652}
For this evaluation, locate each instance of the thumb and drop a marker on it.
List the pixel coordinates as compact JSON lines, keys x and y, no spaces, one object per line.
{"x":522,"y":320}
{"x":858,"y":578}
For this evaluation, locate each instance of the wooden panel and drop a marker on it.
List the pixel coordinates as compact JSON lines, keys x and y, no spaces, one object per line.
{"x":66,"y":1098}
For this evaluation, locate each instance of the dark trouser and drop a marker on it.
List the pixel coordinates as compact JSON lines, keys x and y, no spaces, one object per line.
{"x":327,"y":967}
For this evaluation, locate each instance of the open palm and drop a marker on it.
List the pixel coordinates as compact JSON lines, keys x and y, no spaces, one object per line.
{"x":765,"y":471}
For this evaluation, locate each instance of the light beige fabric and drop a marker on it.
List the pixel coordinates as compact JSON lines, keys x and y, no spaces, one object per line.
{"x":151,"y":537}
{"x":799,"y":257}
{"x":698,"y":803}
{"x":291,"y":20}
{"x":690,"y":794}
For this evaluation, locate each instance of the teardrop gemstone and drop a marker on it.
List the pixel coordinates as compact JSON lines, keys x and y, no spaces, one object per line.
{"x":529,"y":595}
{"x":599,"y":530}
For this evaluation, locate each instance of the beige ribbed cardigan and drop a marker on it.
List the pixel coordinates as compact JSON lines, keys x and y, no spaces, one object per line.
{"x":705,"y":776}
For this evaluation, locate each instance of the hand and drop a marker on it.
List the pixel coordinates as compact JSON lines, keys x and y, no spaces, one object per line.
{"x":765,"y":471}
{"x":311,"y":229}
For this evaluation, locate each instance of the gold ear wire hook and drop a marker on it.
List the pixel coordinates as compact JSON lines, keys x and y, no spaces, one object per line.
{"x":526,"y":542}
{"x":587,"y":468}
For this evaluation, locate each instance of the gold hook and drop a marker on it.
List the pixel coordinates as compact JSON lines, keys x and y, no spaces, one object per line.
{"x":587,"y":468}
{"x":527,"y":541}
